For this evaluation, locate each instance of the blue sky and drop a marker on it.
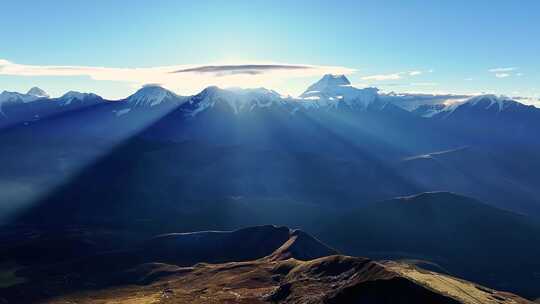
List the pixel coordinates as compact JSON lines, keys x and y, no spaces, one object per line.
{"x":404,"y":46}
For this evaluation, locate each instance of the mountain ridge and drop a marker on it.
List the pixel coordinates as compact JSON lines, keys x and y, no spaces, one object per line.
{"x":298,"y":268}
{"x":330,"y":92}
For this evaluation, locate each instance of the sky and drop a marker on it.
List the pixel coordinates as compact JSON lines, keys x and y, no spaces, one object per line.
{"x":112,"y":48}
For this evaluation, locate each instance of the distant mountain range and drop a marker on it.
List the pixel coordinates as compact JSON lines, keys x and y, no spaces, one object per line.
{"x":332,"y":92}
{"x":157,"y":162}
{"x":331,"y":120}
{"x":483,"y":109}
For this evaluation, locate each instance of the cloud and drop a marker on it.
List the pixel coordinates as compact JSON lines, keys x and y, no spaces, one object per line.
{"x":469,"y":79}
{"x":149,"y":85}
{"x":382,"y":77}
{"x":394,"y":76}
{"x":499,"y":70}
{"x":249,"y":69}
{"x":383,"y":84}
{"x":504,"y":72}
{"x":186,"y":79}
{"x":528,"y":100}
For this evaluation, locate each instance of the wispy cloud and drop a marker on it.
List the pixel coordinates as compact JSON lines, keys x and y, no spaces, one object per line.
{"x":393,"y":76}
{"x":535,"y":101}
{"x":504,"y":72}
{"x":382,"y":77}
{"x":502,"y":75}
{"x":186,"y":79}
{"x":498,"y":70}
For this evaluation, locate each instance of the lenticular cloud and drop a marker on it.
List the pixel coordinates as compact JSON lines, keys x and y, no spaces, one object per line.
{"x":188,"y":78}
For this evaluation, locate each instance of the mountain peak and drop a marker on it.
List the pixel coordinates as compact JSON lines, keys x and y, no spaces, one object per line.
{"x":328,"y":82}
{"x":77,"y":95}
{"x":487,"y":103}
{"x":490,"y":100}
{"x":148,"y":88}
{"x":334,"y":89}
{"x":72,"y":96}
{"x":6,"y":96}
{"x":37,"y":92}
{"x":211,"y":90}
{"x":151,"y":95}
{"x":236,"y":99}
{"x":336,"y":79}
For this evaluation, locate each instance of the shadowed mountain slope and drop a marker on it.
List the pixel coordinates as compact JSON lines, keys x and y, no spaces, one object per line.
{"x":462,"y":235}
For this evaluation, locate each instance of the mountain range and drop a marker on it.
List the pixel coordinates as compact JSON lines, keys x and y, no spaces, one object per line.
{"x":331,"y":93}
{"x":417,"y":178}
{"x":397,"y":151}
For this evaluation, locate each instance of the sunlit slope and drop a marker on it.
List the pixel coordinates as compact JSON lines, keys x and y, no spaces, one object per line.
{"x":264,"y":264}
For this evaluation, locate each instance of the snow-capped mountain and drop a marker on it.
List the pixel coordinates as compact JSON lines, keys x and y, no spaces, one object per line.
{"x":486,"y":118}
{"x":492,"y":102}
{"x":37,"y":92}
{"x":73,"y":97}
{"x":418,"y":101}
{"x":33,"y":94}
{"x":152,"y":95}
{"x":235,"y":99}
{"x":335,"y":90}
{"x":328,"y":86}
{"x":329,"y":93}
{"x":35,"y":105}
{"x":355,"y":124}
{"x":481,"y":106}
